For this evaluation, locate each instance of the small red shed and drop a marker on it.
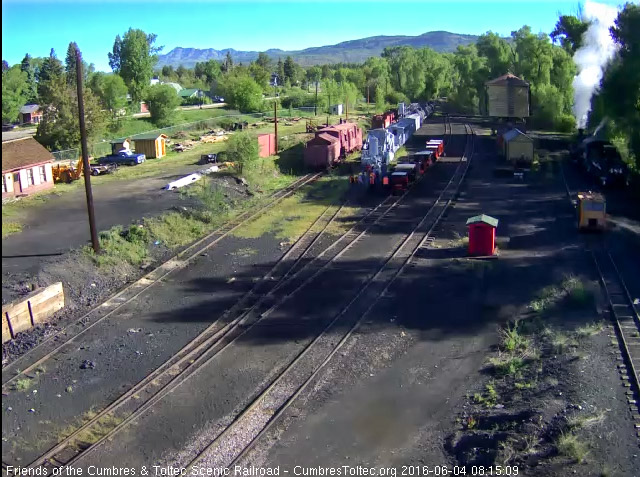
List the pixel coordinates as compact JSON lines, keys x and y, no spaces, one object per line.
{"x":267,"y":144}
{"x":482,"y":235}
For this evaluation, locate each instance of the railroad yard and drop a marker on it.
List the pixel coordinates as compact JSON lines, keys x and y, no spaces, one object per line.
{"x":371,"y":339}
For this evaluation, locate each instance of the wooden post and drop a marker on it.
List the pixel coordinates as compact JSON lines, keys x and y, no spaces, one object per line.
{"x":85,"y":157}
{"x":315,"y":106}
{"x":275,"y":123}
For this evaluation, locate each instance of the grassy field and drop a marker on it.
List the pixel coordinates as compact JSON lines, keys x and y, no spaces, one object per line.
{"x":289,"y":162}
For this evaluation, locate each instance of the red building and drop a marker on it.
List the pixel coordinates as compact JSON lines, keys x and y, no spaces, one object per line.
{"x":267,"y":144}
{"x":482,"y":235}
{"x":30,"y":114}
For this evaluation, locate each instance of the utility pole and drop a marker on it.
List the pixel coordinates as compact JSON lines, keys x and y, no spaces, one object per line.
{"x":315,"y":107}
{"x":367,"y":98}
{"x":329,"y":108}
{"x":275,"y":113}
{"x":85,"y":157}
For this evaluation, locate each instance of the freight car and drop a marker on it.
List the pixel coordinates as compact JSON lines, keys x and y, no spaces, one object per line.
{"x":384,"y":120}
{"x":332,"y":144}
{"x":382,"y":143}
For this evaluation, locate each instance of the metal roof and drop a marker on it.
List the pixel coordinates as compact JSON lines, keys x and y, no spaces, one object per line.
{"x":485,"y":219}
{"x":507,"y":79}
{"x":29,"y":108}
{"x":187,"y":92}
{"x":514,"y":133}
{"x":149,"y":136}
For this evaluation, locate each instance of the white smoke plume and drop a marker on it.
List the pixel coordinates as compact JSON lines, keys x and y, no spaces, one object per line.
{"x":591,"y":58}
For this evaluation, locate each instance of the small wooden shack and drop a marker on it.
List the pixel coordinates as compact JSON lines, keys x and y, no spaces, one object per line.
{"x":151,"y":145}
{"x":119,"y":144}
{"x":508,"y":97}
{"x":517,"y":146}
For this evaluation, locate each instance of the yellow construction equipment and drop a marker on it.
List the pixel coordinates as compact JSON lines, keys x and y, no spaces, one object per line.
{"x":592,"y":214}
{"x":67,"y":172}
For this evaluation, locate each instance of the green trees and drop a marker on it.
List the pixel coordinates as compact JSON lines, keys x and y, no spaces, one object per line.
{"x":240,"y":91}
{"x":469,"y":77}
{"x":206,"y":71}
{"x":242,"y":150}
{"x":497,"y":52}
{"x":59,"y":128}
{"x":569,"y":30}
{"x":50,"y":75}
{"x":111,"y":90}
{"x":133,"y":57}
{"x":162,"y":101}
{"x":619,"y":97}
{"x":28,"y":66}
{"x":15,"y":91}
{"x":289,"y":69}
{"x":227,"y":64}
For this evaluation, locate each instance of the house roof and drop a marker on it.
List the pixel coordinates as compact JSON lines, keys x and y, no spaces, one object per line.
{"x":485,"y":219}
{"x":187,"y":92}
{"x":507,"y":79}
{"x":149,"y":137}
{"x":30,"y":108}
{"x":176,"y":86}
{"x":24,"y":152}
{"x":514,"y":133}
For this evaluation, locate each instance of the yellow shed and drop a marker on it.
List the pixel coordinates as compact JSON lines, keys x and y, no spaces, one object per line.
{"x":151,"y":145}
{"x":508,"y":97}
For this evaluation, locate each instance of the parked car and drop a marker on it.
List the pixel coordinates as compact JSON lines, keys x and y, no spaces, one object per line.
{"x":123,"y":157}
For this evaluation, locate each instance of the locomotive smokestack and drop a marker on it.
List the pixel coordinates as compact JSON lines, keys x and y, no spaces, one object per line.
{"x":580,"y":133}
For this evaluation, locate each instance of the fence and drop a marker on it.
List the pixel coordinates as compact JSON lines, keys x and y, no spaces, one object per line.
{"x":103,"y":147}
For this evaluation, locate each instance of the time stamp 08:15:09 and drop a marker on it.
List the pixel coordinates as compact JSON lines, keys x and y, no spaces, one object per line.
{"x":444,"y":470}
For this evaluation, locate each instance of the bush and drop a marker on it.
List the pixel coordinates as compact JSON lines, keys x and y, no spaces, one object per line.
{"x":396,"y":97}
{"x":566,"y":123}
{"x":297,"y":99}
{"x":242,"y":149}
{"x":195,"y":101}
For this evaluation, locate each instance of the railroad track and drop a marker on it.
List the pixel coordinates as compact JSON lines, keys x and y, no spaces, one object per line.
{"x":623,"y":314}
{"x":55,"y":343}
{"x":237,"y":439}
{"x":274,"y":288}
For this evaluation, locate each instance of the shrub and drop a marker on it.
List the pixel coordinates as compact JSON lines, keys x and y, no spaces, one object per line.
{"x":242,"y":149}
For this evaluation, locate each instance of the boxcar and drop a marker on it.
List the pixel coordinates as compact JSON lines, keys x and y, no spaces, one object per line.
{"x":322,"y":151}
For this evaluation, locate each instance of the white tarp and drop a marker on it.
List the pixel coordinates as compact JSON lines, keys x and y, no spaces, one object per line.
{"x":191,"y":178}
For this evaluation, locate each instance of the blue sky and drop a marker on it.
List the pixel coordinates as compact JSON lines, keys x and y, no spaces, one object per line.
{"x":36,"y":26}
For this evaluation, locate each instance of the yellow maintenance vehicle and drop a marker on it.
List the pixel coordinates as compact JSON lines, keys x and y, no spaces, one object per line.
{"x":70,"y":172}
{"x":592,"y":211}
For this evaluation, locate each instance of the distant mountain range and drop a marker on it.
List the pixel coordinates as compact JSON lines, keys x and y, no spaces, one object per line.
{"x":354,"y":51}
